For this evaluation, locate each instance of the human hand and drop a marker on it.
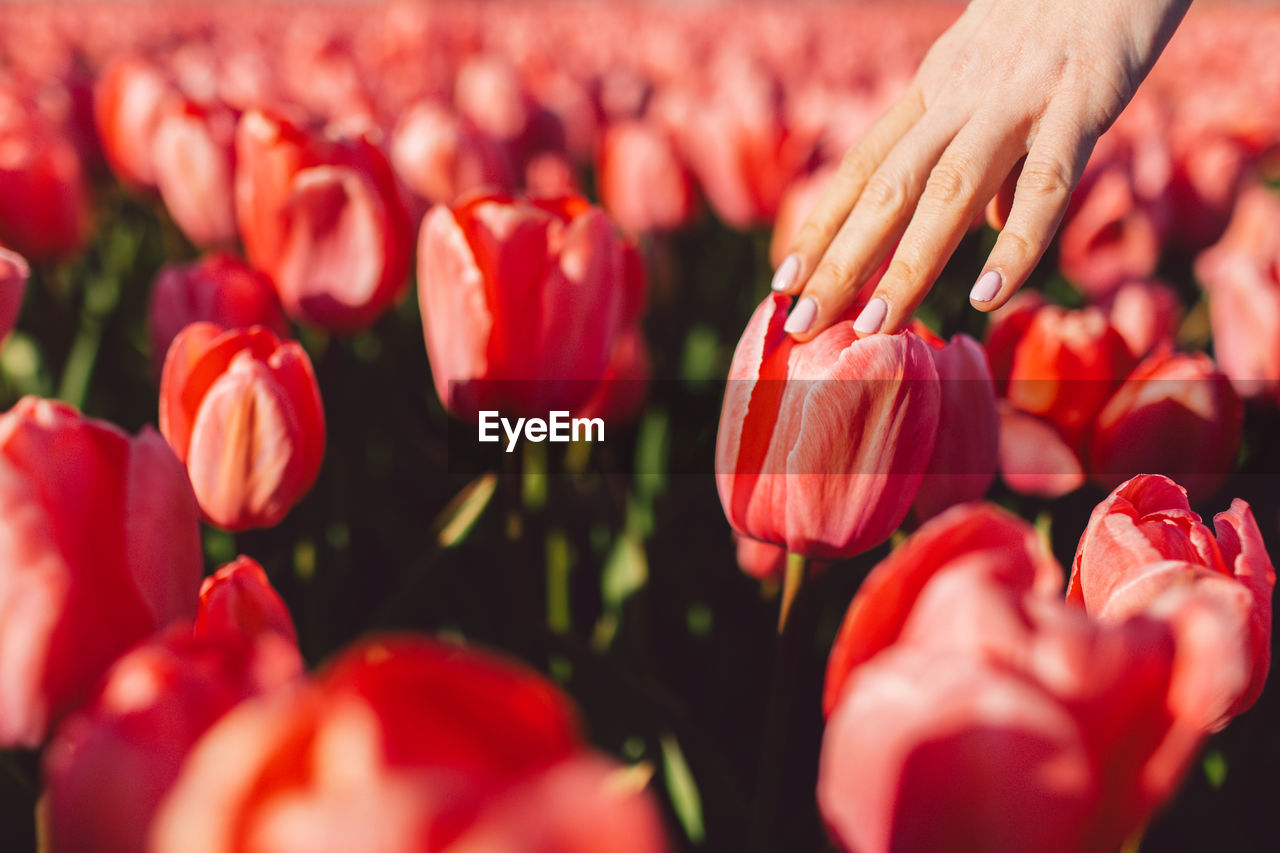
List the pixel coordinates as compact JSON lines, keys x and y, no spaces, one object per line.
{"x":1006,"y":107}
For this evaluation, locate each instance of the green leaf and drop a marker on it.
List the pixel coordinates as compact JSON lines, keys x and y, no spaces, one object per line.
{"x":457,"y":518}
{"x":626,"y":571}
{"x":682,"y":789}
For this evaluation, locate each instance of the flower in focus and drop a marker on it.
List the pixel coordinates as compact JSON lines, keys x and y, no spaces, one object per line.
{"x":822,"y":445}
{"x":242,"y":410}
{"x":504,"y":284}
{"x":404,"y":744}
{"x":101,"y":549}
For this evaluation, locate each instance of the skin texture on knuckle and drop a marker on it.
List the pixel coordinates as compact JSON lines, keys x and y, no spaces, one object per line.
{"x":886,"y":194}
{"x":1045,"y":180}
{"x":951,"y":184}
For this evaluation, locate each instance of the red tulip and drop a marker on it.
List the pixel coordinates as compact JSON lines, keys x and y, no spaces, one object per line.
{"x":44,"y":197}
{"x":218,"y":289}
{"x":1007,"y":329}
{"x":154,"y":704}
{"x":964,"y":454}
{"x":1145,"y":553}
{"x":441,"y":156}
{"x":970,"y":708}
{"x":643,"y":184}
{"x":128,"y":100}
{"x":102,"y":548}
{"x":14,"y":273}
{"x":822,"y":444}
{"x":1066,"y":366}
{"x":323,"y":219}
{"x":1241,"y":275}
{"x":403,"y":744}
{"x":193,"y":163}
{"x":242,"y":410}
{"x":1034,"y":459}
{"x":976,"y":537}
{"x":624,"y":387}
{"x":1177,"y":415}
{"x":503,"y":284}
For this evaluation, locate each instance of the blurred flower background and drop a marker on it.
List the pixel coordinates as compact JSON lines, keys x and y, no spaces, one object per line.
{"x":592,"y":195}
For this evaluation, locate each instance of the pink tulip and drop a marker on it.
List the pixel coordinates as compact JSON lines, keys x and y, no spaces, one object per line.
{"x":965,"y":452}
{"x":1145,"y":553}
{"x":218,"y":289}
{"x":503,"y":283}
{"x":441,"y":156}
{"x":128,"y":100}
{"x":1146,"y":314}
{"x":154,"y":704}
{"x":1034,"y":458}
{"x":822,"y":445}
{"x":1176,"y":414}
{"x":102,"y":548}
{"x":643,"y":184}
{"x":242,"y":410}
{"x":14,"y":273}
{"x":193,"y":163}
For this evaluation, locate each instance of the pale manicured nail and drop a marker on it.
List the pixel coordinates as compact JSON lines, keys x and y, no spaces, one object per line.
{"x":802,"y":317}
{"x":987,"y":287}
{"x":787,"y":272}
{"x":872,"y":317}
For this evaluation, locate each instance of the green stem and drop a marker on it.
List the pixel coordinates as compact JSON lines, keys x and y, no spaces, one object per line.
{"x":764,"y":817}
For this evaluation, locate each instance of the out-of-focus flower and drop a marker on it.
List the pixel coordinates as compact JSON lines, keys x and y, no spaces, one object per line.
{"x":404,"y":744}
{"x":624,"y":387}
{"x":14,"y":273}
{"x":441,"y":156}
{"x":128,"y":99}
{"x":643,"y":183}
{"x":44,"y":196}
{"x":101,"y":549}
{"x":1145,"y":553}
{"x":322,"y":217}
{"x":1034,"y":460}
{"x":154,"y":704}
{"x":1146,"y":314}
{"x":193,"y":164}
{"x":503,"y":284}
{"x":1176,"y":415}
{"x":1241,"y":274}
{"x":220,"y":289}
{"x":822,"y":444}
{"x":242,"y":410}
{"x":964,"y":457}
{"x":969,"y":706}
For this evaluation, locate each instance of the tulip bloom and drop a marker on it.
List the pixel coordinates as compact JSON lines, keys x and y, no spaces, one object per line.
{"x":193,"y":161}
{"x":242,"y":410}
{"x":219,"y":289}
{"x":643,"y":184}
{"x":441,"y":156}
{"x":963,"y":463}
{"x":128,"y":100}
{"x":323,"y":219}
{"x":822,"y":444}
{"x":155,"y":703}
{"x":504,"y":284}
{"x":1145,"y":553}
{"x":101,"y":549}
{"x":14,"y":273}
{"x":1146,"y":314}
{"x":971,"y":708}
{"x":1176,"y":414}
{"x":404,"y":744}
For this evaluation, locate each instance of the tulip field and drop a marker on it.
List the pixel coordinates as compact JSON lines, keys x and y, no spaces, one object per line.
{"x":402,"y":452}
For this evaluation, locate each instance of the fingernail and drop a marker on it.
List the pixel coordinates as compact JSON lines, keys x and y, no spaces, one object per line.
{"x":872,"y":317}
{"x":786,"y":274}
{"x":987,"y":287}
{"x":802,"y":317}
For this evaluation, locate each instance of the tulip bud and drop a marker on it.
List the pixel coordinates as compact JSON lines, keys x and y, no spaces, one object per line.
{"x":1146,"y":314}
{"x":101,"y":547}
{"x":503,"y":284}
{"x":822,"y":444}
{"x":441,"y":156}
{"x":128,"y":100}
{"x":154,"y":704}
{"x":1145,"y":553}
{"x":643,"y":184}
{"x":404,"y":744}
{"x":323,"y":219}
{"x":1176,"y":415}
{"x":242,"y":411}
{"x":14,"y":273}
{"x":218,"y":289}
{"x":193,"y":161}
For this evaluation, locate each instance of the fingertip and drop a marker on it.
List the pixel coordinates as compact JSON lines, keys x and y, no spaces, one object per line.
{"x":787,"y":275}
{"x":801,"y":319}
{"x":992,"y":290}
